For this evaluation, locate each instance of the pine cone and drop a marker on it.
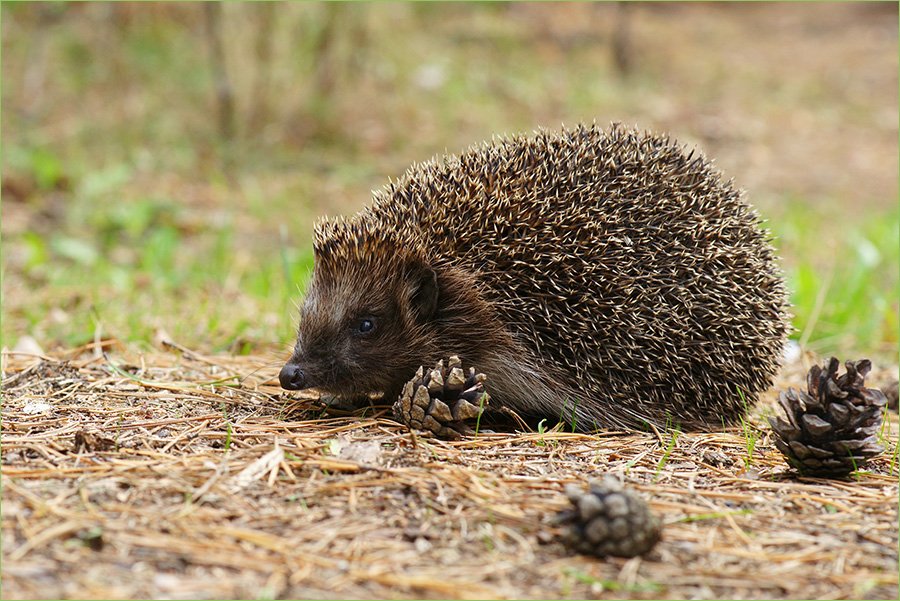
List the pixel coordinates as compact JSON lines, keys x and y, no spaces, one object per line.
{"x":831,"y":430}
{"x":441,"y":399}
{"x":609,"y":520}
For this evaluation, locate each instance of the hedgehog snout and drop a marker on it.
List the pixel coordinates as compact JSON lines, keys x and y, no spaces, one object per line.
{"x":292,"y":377}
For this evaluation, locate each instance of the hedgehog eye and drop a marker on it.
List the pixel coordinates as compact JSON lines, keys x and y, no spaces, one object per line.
{"x":365,"y":325}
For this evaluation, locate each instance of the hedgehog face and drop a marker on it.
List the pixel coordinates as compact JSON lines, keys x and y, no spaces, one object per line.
{"x":359,"y":325}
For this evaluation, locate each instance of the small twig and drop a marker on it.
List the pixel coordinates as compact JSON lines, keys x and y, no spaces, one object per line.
{"x":223,"y":90}
{"x":622,"y":47}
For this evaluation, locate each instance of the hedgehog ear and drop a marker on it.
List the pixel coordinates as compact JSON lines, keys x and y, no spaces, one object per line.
{"x":423,"y":287}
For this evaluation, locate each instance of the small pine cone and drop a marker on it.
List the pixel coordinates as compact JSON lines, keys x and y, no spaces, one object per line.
{"x":831,"y":430}
{"x":609,"y":520}
{"x":440,"y":400}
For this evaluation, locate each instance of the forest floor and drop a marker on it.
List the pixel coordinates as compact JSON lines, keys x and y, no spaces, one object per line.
{"x":172,"y":474}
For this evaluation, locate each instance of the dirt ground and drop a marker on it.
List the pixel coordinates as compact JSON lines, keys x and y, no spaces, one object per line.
{"x":176,"y":475}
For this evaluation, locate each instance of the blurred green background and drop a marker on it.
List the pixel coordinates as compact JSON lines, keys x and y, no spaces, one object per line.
{"x":163,"y":163}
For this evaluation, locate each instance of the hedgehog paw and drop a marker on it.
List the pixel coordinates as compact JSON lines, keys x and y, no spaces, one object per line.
{"x":442,"y":399}
{"x":338,"y":405}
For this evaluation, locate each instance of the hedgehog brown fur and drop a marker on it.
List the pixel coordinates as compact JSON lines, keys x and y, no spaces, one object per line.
{"x":606,"y":276}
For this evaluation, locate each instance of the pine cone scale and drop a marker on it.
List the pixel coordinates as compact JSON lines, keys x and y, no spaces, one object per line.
{"x":815,"y":425}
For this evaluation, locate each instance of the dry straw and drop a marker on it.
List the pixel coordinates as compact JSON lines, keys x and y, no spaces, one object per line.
{"x":179,"y":475}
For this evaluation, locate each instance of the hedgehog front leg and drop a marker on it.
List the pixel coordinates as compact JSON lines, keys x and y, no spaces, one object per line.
{"x":442,"y":399}
{"x":340,"y":404}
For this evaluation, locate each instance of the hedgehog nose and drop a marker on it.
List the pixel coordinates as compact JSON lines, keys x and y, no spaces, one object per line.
{"x":292,"y":377}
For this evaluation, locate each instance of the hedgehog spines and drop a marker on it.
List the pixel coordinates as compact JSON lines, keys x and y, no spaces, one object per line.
{"x":619,"y":261}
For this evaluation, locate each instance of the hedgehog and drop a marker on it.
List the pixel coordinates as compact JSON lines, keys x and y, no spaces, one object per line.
{"x":609,"y":278}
